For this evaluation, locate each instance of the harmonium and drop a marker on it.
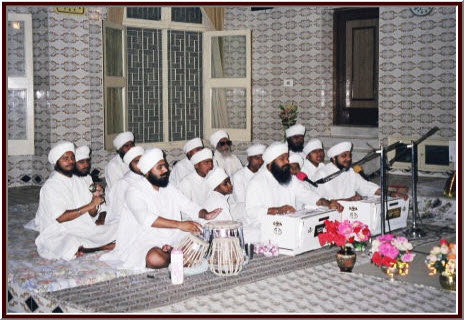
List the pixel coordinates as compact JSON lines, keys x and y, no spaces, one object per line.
{"x":297,"y":232}
{"x":368,"y":212}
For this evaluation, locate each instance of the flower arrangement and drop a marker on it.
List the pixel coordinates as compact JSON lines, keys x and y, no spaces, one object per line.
{"x":288,"y":115}
{"x":442,"y":259}
{"x":393,"y":254}
{"x":341,"y":233}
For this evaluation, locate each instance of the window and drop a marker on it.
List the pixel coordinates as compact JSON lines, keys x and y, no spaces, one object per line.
{"x":160,"y":95}
{"x":20,"y":85}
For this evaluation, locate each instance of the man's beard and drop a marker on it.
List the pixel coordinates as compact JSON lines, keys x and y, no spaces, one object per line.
{"x":121,"y":153}
{"x":80,"y":173}
{"x":281,"y":174}
{"x":67,"y":173}
{"x":294,"y":147}
{"x":226,"y":153}
{"x":340,"y":166}
{"x":159,"y":182}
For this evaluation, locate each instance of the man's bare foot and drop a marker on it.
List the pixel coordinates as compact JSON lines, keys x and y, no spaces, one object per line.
{"x":80,"y":252}
{"x":109,"y":246}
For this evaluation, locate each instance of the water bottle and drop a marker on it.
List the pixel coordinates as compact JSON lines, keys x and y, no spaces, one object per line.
{"x":177,"y":266}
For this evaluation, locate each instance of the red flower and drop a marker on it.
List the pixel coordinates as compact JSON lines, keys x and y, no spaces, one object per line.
{"x":357,"y":229}
{"x":351,"y":239}
{"x":443,"y":242}
{"x":377,"y":259}
{"x":365,"y":231}
{"x":388,"y":261}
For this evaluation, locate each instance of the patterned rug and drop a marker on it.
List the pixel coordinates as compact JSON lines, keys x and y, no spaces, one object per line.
{"x":152,"y":290}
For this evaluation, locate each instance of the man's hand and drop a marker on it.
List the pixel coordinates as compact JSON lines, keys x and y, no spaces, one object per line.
{"x":333,"y":204}
{"x":101,"y":219}
{"x":213,"y":214}
{"x":190,"y":226}
{"x":166,"y":248}
{"x":96,"y":200}
{"x":356,"y":197}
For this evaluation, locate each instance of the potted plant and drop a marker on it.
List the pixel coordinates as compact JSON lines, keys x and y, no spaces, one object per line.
{"x":442,"y":260}
{"x":392,"y":254}
{"x":288,"y":115}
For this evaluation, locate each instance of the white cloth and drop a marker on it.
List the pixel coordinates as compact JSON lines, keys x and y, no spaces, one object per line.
{"x":310,"y":169}
{"x":345,"y":185}
{"x":339,"y":148}
{"x":274,"y":150}
{"x":192,"y":144}
{"x":58,"y":150}
{"x":114,"y":170}
{"x":149,"y":159}
{"x":296,"y":158}
{"x":295,"y":130}
{"x":62,"y":240}
{"x":136,"y":236}
{"x":201,"y":155}
{"x":312,"y":145}
{"x":122,"y":138}
{"x":217,"y":200}
{"x":195,"y":189}
{"x":133,"y":153}
{"x":240,"y":182}
{"x":215,"y":177}
{"x":215,"y":137}
{"x":83,"y":152}
{"x":255,"y":149}
{"x":180,"y":170}
{"x":116,"y":198}
{"x":265,"y":192}
{"x":230,"y":164}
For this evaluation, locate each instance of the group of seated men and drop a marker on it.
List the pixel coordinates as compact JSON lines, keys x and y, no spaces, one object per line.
{"x":147,"y":208}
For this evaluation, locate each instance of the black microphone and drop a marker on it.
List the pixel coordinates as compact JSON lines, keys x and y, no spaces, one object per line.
{"x":303,"y":177}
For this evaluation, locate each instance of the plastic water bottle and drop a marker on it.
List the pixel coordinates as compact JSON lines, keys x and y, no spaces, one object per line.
{"x":177,"y":266}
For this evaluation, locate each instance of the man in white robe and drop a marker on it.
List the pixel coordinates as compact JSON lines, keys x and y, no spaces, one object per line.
{"x":184,"y":167}
{"x":117,"y":196}
{"x":220,"y":190}
{"x":66,"y":229}
{"x":82,"y":171}
{"x":116,"y":168}
{"x":271,"y":191}
{"x":193,"y":186}
{"x":295,"y":139}
{"x":243,"y":176}
{"x":349,"y":185}
{"x":314,"y":158}
{"x":223,"y":156}
{"x":151,"y":220}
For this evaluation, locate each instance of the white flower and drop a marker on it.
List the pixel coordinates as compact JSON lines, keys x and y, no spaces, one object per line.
{"x":444,"y":249}
{"x":375,"y":245}
{"x":435,"y":250}
{"x":432,"y":258}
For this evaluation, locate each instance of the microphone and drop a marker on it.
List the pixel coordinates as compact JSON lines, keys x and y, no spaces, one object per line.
{"x":303,"y":177}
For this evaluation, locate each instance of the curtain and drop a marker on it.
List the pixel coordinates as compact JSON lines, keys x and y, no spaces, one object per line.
{"x":214,"y":20}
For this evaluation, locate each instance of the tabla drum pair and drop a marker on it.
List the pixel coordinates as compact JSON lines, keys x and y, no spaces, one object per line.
{"x":224,"y":229}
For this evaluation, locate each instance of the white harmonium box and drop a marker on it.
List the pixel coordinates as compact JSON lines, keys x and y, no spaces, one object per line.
{"x":368,"y":212}
{"x":297,"y":232}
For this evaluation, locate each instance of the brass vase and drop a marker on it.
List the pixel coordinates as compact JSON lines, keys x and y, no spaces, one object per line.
{"x":448,"y":282}
{"x":346,"y":258}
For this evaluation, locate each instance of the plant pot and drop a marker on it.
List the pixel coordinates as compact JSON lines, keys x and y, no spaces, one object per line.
{"x":448,"y":282}
{"x":346,"y":258}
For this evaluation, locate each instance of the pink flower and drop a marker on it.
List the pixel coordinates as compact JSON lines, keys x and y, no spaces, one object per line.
{"x":345,"y":228}
{"x":407,"y":257}
{"x":388,"y":250}
{"x":385,"y":238}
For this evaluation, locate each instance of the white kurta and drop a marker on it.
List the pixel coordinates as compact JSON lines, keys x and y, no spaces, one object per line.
{"x":230,"y":165}
{"x":310,"y":169}
{"x":345,"y":185}
{"x":116,"y":198}
{"x":136,"y":236}
{"x":114,"y":170}
{"x":62,"y":240}
{"x":265,"y":192}
{"x":180,"y":170}
{"x":240,"y":182}
{"x":194,"y":188}
{"x":217,"y":200}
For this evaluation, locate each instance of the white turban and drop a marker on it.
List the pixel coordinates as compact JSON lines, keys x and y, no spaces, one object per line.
{"x":192,"y":144}
{"x":256,"y":149}
{"x":218,"y":135}
{"x":122,"y":138}
{"x":274,"y":150}
{"x":295,"y":130}
{"x":58,"y":150}
{"x":82,"y":153}
{"x":201,"y":155}
{"x":339,"y":148}
{"x":132,"y":154}
{"x":296,"y":158}
{"x":149,"y":159}
{"x":312,"y":145}
{"x":215,"y":178}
